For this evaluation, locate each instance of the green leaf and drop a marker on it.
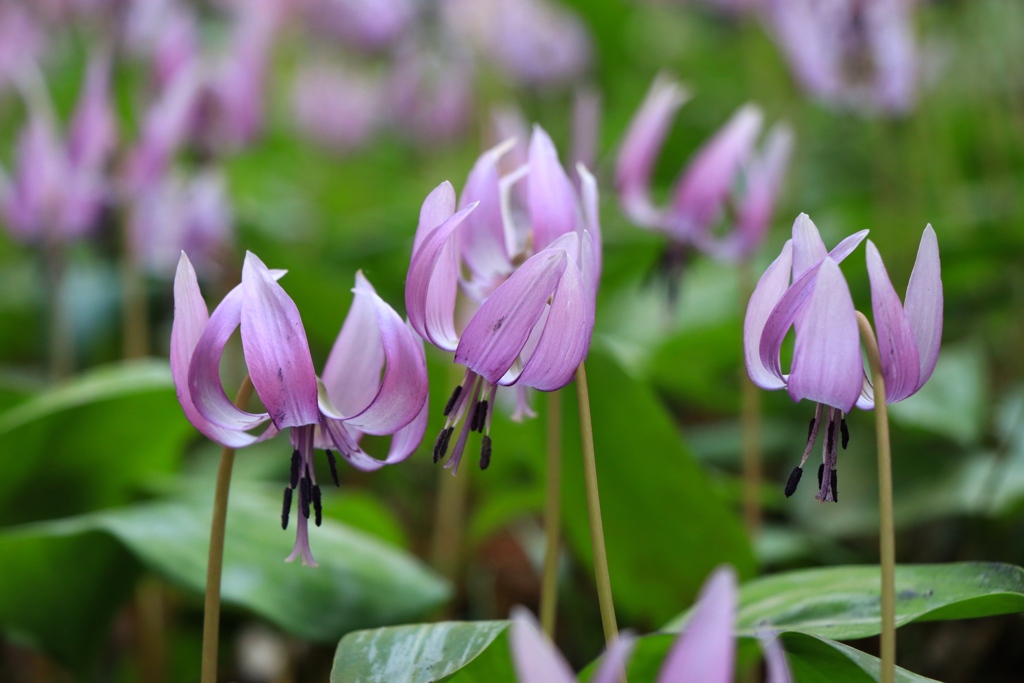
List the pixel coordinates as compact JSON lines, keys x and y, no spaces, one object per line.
{"x":819,"y":660}
{"x":421,"y":653}
{"x":655,"y":500}
{"x":361,"y":582}
{"x":842,"y":603}
{"x":61,"y":591}
{"x":91,"y":442}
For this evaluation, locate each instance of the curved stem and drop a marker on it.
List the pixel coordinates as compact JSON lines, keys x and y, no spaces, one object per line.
{"x":886,"y":530}
{"x":211,"y":608}
{"x":604,"y":585}
{"x":552,"y":515}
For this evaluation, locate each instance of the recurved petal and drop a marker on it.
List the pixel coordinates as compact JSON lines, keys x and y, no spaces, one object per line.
{"x":613,"y":663}
{"x":552,"y":199}
{"x":565,"y":339}
{"x":433,"y":282}
{"x":710,"y":177}
{"x":705,"y":651}
{"x":901,"y":365}
{"x":403,"y":389}
{"x":204,"y":370}
{"x":436,"y":209}
{"x":827,"y":366}
{"x":640,"y":148}
{"x":482,"y":233}
{"x":533,"y":655}
{"x":352,"y":372}
{"x":498,"y":331}
{"x":846,"y":247}
{"x":808,"y":249}
{"x":276,"y":350}
{"x":924,"y":304}
{"x":190,"y":318}
{"x":776,"y":666}
{"x":769,"y":290}
{"x":591,"y":213}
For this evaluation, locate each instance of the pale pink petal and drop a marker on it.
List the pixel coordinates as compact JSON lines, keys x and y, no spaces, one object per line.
{"x":552,"y":198}
{"x":536,"y":660}
{"x":613,"y":662}
{"x":808,"y":249}
{"x":276,"y":350}
{"x":705,"y":651}
{"x":769,"y":290}
{"x":351,"y":374}
{"x":901,"y":365}
{"x":482,"y":233}
{"x":924,"y":303}
{"x":776,"y":666}
{"x":437,"y":208}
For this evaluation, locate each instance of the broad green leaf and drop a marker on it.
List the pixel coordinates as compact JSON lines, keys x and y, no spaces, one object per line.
{"x":361,"y":582}
{"x":61,"y":591}
{"x":819,"y":660}
{"x":91,"y":442}
{"x":655,"y":500}
{"x":419,"y":653}
{"x":842,"y":603}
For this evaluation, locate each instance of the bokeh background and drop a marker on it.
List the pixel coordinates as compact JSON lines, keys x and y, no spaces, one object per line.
{"x":345,"y":116}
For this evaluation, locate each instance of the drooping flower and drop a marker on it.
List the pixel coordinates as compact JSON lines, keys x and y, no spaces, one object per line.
{"x":59,"y":187}
{"x":374,"y":381}
{"x":804,"y":288}
{"x":530,"y":285}
{"x":849,"y":53}
{"x":726,"y":183}
{"x":826,"y":366}
{"x":704,"y":652}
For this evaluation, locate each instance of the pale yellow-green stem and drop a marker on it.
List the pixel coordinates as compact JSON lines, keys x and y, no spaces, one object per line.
{"x":604,"y":585}
{"x":552,"y":516}
{"x":211,"y":607}
{"x":886,"y":529}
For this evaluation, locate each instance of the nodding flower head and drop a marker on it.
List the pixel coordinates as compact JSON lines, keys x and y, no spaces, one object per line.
{"x":374,"y":381}
{"x":528,"y":275}
{"x":804,"y":289}
{"x":726,"y":183}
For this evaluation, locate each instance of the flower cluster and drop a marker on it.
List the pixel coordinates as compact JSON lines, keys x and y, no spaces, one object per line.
{"x":529,"y":278}
{"x":804,"y":289}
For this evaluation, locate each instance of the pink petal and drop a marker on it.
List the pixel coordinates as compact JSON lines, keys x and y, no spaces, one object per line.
{"x":352,"y":372}
{"x":846,"y":247}
{"x":92,"y":134}
{"x":591,"y":213}
{"x":701,"y":192}
{"x":776,"y":666}
{"x":482,"y":233}
{"x":204,"y":370}
{"x":827,"y":366}
{"x":769,"y":290}
{"x":190,"y":318}
{"x":565,"y":339}
{"x":276,"y":350}
{"x":786,"y":313}
{"x":433,"y":282}
{"x":705,"y":651}
{"x":437,"y":208}
{"x":403,"y":389}
{"x":613,"y":663}
{"x":536,"y":660}
{"x":901,"y":365}
{"x":924,"y":304}
{"x":552,"y":198}
{"x":808,"y":249}
{"x":640,"y":148}
{"x":498,"y":331}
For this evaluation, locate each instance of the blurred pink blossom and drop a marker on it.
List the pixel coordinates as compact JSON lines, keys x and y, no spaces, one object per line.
{"x":338,"y":106}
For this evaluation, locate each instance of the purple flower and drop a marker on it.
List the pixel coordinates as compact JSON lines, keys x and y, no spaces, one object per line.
{"x":528,"y":274}
{"x":352,"y":398}
{"x":848,"y":52}
{"x":337,"y":106}
{"x":704,"y":652}
{"x":59,"y":187}
{"x":709,"y":187}
{"x":804,"y":288}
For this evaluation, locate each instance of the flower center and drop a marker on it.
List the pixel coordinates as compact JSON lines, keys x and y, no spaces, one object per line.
{"x":473,"y":399}
{"x":827,"y":485}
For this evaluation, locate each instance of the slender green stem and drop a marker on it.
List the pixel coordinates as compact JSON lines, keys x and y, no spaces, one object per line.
{"x":604,"y":584}
{"x":211,"y":608}
{"x":552,"y":515}
{"x":750,"y":427}
{"x":886,"y":530}
{"x":446,"y":552}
